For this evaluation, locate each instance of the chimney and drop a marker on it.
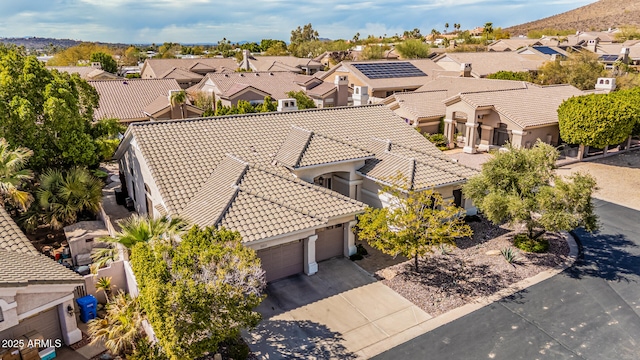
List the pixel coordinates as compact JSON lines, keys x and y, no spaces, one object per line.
{"x":452,"y":44}
{"x":624,"y":55}
{"x":96,"y":65}
{"x":554,"y":57}
{"x":593,"y":45}
{"x":465,"y":70}
{"x":360,"y":95}
{"x":342,"y":85}
{"x":245,"y":60}
{"x":285,"y":105}
{"x":606,"y":84}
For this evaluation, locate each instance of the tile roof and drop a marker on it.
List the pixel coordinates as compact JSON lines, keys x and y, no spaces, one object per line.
{"x":282,"y":63}
{"x":181,"y":75}
{"x":127,"y":100}
{"x":427,"y":101}
{"x":277,"y":84}
{"x":162,"y":66}
{"x":21,"y":264}
{"x":21,"y":269}
{"x":11,"y":237}
{"x":182,"y":154}
{"x":321,"y":89}
{"x":85,"y":72}
{"x":485,"y":63}
{"x":423,"y":171}
{"x":513,"y":44}
{"x":304,"y":148}
{"x":427,"y":66}
{"x":534,"y":106}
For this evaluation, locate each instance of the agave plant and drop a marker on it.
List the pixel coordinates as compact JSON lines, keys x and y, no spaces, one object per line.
{"x":510,"y":255}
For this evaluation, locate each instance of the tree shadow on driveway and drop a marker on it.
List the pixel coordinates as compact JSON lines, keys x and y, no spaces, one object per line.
{"x":284,"y":339}
{"x":612,"y":257}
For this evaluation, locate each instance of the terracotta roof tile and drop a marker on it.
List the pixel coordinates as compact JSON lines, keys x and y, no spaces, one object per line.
{"x":22,"y":269}
{"x":276,"y":84}
{"x":11,"y":237}
{"x":127,"y":100}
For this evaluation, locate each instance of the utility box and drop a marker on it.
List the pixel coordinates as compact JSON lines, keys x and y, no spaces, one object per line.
{"x":88,"y":307}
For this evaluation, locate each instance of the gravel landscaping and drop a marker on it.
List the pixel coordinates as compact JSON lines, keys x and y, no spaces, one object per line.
{"x":454,"y":276}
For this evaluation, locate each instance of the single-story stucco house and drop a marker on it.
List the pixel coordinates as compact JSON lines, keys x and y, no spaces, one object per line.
{"x":291,"y":183}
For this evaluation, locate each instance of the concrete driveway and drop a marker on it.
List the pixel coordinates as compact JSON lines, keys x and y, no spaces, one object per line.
{"x":589,"y":311}
{"x":335,"y":313}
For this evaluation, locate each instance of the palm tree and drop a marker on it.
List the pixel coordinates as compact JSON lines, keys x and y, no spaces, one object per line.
{"x":12,"y":174}
{"x":121,"y":327}
{"x":178,"y":98}
{"x":102,"y":257}
{"x":488,"y":29}
{"x":63,"y":196}
{"x":104,"y":284}
{"x":136,"y":229}
{"x":446,"y":27}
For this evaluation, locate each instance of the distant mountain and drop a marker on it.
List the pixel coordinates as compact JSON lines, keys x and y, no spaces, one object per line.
{"x":39,"y":44}
{"x":600,"y":15}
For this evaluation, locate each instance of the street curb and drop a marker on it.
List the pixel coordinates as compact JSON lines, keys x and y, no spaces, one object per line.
{"x":467,"y":309}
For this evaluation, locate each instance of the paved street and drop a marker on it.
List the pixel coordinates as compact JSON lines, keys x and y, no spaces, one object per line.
{"x":590,"y":311}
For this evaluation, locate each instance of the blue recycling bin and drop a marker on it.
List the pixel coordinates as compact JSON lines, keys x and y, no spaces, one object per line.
{"x":88,"y":307}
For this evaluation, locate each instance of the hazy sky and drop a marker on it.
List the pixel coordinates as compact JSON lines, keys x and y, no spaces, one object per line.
{"x":192,"y":21}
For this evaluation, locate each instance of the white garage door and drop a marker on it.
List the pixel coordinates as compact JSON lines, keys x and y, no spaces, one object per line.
{"x":330,"y":243}
{"x":282,"y":260}
{"x":46,"y":323}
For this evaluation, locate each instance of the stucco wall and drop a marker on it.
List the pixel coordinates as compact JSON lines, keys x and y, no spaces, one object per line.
{"x":118,"y":280}
{"x":541,"y":133}
{"x":134,"y":160}
{"x":30,"y":301}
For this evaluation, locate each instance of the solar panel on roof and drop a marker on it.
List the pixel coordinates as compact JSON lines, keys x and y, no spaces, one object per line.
{"x":609,"y":58}
{"x":388,"y":70}
{"x":546,"y":50}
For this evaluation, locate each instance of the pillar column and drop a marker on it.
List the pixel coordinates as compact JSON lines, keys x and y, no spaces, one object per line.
{"x":310,"y":264}
{"x":70,"y":332}
{"x":449,"y":131}
{"x":349,"y":239}
{"x":470,"y":141}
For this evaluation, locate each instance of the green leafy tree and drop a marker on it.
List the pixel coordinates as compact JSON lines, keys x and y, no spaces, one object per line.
{"x":46,"y":111}
{"x":413,"y":49}
{"x":277,"y":49}
{"x":268,"y":105}
{"x":63,"y":195}
{"x":106,"y":133}
{"x":106,"y":61}
{"x":512,"y":75}
{"x":599,"y":120}
{"x":77,"y":55}
{"x":373,"y":52}
{"x":580,"y":69}
{"x":304,"y":102}
{"x":266,"y":44}
{"x":413,"y":224}
{"x":13,"y":174}
{"x":200,"y":292}
{"x":121,"y":328}
{"x":302,"y":34}
{"x":520,"y":186}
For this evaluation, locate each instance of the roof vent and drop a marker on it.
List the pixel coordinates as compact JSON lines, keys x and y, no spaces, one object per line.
{"x":271,"y":73}
{"x":241,"y":75}
{"x":257,"y":74}
{"x":125,"y":83}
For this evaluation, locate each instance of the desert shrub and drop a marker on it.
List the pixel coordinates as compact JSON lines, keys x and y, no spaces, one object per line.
{"x":439,"y":140}
{"x":524,"y":243}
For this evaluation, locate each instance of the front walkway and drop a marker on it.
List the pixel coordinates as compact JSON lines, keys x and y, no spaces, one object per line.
{"x":337,"y":313}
